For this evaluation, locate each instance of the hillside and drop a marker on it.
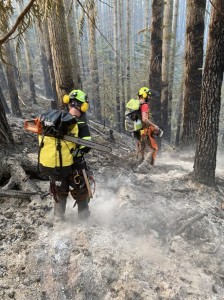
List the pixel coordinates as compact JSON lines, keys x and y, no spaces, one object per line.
{"x":153,"y":236}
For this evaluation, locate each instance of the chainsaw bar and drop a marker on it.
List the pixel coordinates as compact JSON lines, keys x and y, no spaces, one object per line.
{"x":34,"y":126}
{"x":86,"y":143}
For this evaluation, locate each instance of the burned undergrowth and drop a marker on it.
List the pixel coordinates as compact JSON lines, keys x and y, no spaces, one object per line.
{"x":150,"y":236}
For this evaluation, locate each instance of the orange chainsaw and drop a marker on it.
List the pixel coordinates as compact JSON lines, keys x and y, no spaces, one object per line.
{"x":34,"y":125}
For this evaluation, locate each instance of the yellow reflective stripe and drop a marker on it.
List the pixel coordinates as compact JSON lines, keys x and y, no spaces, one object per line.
{"x":87,"y":138}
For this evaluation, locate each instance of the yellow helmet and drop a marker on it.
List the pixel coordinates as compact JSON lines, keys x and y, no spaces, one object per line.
{"x":78,"y":95}
{"x":144,"y":92}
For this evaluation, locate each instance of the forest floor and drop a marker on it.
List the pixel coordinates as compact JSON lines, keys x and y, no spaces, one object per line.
{"x":150,"y":236}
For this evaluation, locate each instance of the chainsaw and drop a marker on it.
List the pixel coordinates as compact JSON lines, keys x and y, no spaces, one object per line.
{"x":34,"y":125}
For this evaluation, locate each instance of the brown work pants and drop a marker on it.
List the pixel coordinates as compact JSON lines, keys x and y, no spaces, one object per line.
{"x":60,"y":188}
{"x":147,"y":147}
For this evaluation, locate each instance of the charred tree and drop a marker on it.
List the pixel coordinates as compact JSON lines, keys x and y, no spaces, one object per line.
{"x":206,"y":151}
{"x":5,"y":131}
{"x":193,"y":74}
{"x":172,"y":61}
{"x":155,"y":68}
{"x":121,"y":62}
{"x":179,"y":115}
{"x":128,"y":50}
{"x":116,"y":67}
{"x":167,"y":29}
{"x":93,"y":64}
{"x":3,"y":101}
{"x":60,"y":52}
{"x":44,"y":60}
{"x":3,"y":81}
{"x":11,"y":81}
{"x":54,"y":101}
{"x":29,"y":68}
{"x":73,"y":44}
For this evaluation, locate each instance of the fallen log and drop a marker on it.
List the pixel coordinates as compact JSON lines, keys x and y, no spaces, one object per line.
{"x":190,"y":222}
{"x":16,"y":182}
{"x":103,"y":135}
{"x":19,"y":179}
{"x":16,"y":194}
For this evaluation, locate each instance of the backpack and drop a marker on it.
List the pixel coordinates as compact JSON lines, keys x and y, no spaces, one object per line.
{"x":56,"y":123}
{"x":133,"y":122}
{"x":55,"y":157}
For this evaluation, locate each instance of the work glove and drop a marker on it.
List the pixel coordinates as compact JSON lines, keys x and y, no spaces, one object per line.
{"x":79,"y":163}
{"x":77,"y":153}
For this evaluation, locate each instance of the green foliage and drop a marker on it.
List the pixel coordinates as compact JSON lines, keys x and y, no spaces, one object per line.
{"x":6,"y":10}
{"x":39,"y":10}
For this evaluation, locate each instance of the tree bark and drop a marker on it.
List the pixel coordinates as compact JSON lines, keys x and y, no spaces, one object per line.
{"x":128,"y":51}
{"x":167,"y":29}
{"x":179,"y":114}
{"x":44,"y":59}
{"x":93,"y":64}
{"x":72,"y":37}
{"x":122,"y":68}
{"x":172,"y":60}
{"x":11,"y":82}
{"x":4,"y":103}
{"x":60,"y":52}
{"x":3,"y":81}
{"x":116,"y":67}
{"x":29,"y":70}
{"x":5,"y":131}
{"x":155,"y":67}
{"x":192,"y":70}
{"x":206,"y":151}
{"x":54,"y":102}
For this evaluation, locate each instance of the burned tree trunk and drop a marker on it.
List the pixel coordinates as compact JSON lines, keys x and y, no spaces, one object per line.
{"x":60,"y":52}
{"x":5,"y":131}
{"x":155,"y":72}
{"x":12,"y":82}
{"x":192,"y":71}
{"x":206,"y":151}
{"x":4,"y":103}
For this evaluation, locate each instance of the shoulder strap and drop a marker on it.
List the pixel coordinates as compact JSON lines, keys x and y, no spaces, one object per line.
{"x":40,"y":147}
{"x":58,"y":148}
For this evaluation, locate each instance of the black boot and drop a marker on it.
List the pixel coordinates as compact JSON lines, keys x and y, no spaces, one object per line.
{"x":83,"y":209}
{"x":59,"y":209}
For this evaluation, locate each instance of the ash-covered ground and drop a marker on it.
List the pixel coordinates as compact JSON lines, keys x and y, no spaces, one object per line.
{"x":150,"y":236}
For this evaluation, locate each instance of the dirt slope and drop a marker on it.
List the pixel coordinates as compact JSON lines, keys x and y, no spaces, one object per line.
{"x":153,"y":236}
